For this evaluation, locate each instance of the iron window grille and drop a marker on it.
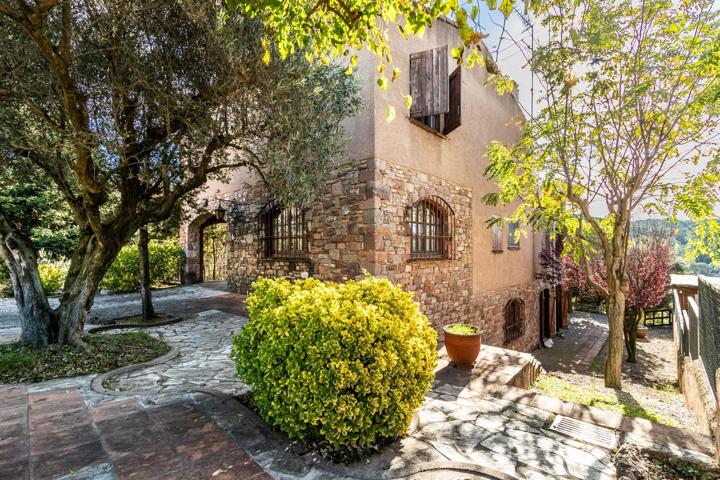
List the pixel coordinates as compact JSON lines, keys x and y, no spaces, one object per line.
{"x":283,"y":232}
{"x":514,"y":319}
{"x":432,"y":229}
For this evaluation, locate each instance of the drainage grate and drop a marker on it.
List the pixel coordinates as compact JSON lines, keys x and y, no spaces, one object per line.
{"x":587,"y":432}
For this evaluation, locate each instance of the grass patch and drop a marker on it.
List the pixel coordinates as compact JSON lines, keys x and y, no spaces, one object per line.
{"x":21,"y":363}
{"x":600,"y":397}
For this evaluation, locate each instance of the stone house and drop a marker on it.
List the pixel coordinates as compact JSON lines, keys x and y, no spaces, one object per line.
{"x":406,"y":203}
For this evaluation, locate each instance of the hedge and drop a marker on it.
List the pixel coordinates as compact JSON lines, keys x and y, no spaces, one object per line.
{"x":343,"y":365}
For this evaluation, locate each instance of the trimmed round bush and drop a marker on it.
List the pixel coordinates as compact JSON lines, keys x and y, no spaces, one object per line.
{"x":339,"y":364}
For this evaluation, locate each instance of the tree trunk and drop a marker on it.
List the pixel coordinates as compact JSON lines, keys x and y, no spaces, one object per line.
{"x":148,"y":311}
{"x":613,"y":363}
{"x":617,"y":288}
{"x":38,"y":321}
{"x":88,"y":266}
{"x":631,"y":324}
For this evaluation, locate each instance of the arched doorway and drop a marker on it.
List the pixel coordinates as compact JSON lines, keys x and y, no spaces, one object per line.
{"x":214,"y":252}
{"x":205,"y":243}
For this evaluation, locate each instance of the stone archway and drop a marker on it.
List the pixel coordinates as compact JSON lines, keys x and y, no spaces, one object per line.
{"x":192,"y":240}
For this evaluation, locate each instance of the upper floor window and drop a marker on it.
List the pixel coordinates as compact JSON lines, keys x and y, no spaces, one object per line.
{"x":514,"y":319}
{"x":514,"y":235}
{"x":282,"y":231}
{"x":431,"y":229}
{"x":496,"y":229}
{"x":435,"y":95}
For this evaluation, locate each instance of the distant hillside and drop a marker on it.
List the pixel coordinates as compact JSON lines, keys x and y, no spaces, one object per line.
{"x":684,"y":230}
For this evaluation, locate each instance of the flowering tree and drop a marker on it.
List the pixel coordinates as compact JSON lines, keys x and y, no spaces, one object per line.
{"x":649,"y":261}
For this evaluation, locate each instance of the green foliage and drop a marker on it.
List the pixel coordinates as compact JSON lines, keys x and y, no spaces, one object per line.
{"x":30,"y":200}
{"x":5,"y":284}
{"x":52,"y":275}
{"x":26,"y":364}
{"x":336,"y":29}
{"x":124,"y":274}
{"x":340,"y":364}
{"x":463,"y":329}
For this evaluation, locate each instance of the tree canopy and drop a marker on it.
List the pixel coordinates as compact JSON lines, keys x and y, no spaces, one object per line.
{"x":127,"y":107}
{"x":629,"y":121}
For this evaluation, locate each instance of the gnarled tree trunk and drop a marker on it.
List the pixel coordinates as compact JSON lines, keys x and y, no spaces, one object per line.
{"x":38,"y":320}
{"x":88,"y":266}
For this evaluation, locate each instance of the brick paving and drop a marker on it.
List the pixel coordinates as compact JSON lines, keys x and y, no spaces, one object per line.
{"x":580,"y":343}
{"x":54,"y":435}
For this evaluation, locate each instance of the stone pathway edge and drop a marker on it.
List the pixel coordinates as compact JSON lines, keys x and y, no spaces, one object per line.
{"x":97,"y":383}
{"x":104,"y":328}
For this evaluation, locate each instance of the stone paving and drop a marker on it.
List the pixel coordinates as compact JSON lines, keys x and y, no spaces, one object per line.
{"x":203,"y":361}
{"x":167,"y":410}
{"x":183,"y":301}
{"x":459,"y":435}
{"x":577,"y":347}
{"x":55,"y":435}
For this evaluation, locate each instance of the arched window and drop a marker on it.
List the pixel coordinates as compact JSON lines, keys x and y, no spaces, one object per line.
{"x":514,"y":319}
{"x":282,"y":232}
{"x":431,"y":224}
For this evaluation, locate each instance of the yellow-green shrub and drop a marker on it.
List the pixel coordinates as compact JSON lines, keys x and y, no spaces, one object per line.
{"x":343,"y":364}
{"x":52,"y":276}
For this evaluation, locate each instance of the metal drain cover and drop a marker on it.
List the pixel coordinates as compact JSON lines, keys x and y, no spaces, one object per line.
{"x":584,"y":431}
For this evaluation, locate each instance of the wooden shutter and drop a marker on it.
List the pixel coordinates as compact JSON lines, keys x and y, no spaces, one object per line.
{"x":454,"y":116}
{"x":429,"y":82}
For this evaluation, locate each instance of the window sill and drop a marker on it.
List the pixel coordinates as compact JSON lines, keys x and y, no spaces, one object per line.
{"x":429,"y":259}
{"x":303,"y":259}
{"x":513,"y":247}
{"x":426,"y":128}
{"x":495,"y":250}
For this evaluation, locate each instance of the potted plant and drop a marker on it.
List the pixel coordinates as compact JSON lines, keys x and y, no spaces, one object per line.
{"x":462,"y":343}
{"x":641,"y":331}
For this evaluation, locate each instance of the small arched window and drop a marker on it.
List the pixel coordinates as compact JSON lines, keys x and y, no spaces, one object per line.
{"x":282,"y":232}
{"x":431,"y":225}
{"x":514,"y":319}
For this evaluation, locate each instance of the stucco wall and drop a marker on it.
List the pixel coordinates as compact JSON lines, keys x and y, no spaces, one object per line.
{"x":460,"y":157}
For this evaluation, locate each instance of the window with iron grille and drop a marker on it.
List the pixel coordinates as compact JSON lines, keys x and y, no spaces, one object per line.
{"x":431,"y":229}
{"x":282,"y":232}
{"x":514,"y":319}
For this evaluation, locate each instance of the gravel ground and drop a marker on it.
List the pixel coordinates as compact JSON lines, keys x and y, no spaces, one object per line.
{"x":651,"y":382}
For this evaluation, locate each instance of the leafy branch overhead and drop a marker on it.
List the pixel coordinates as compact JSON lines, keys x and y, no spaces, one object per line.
{"x":331,"y":29}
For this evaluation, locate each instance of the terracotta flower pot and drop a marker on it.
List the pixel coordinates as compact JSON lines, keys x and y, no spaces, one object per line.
{"x":641,"y":331}
{"x":462,"y":349}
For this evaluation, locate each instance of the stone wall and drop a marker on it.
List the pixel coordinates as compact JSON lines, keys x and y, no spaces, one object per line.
{"x":492,"y":311}
{"x":442,"y":287}
{"x":361,"y":221}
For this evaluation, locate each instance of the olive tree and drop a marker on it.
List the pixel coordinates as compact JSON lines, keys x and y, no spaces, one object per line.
{"x":128,"y":107}
{"x":629,"y":121}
